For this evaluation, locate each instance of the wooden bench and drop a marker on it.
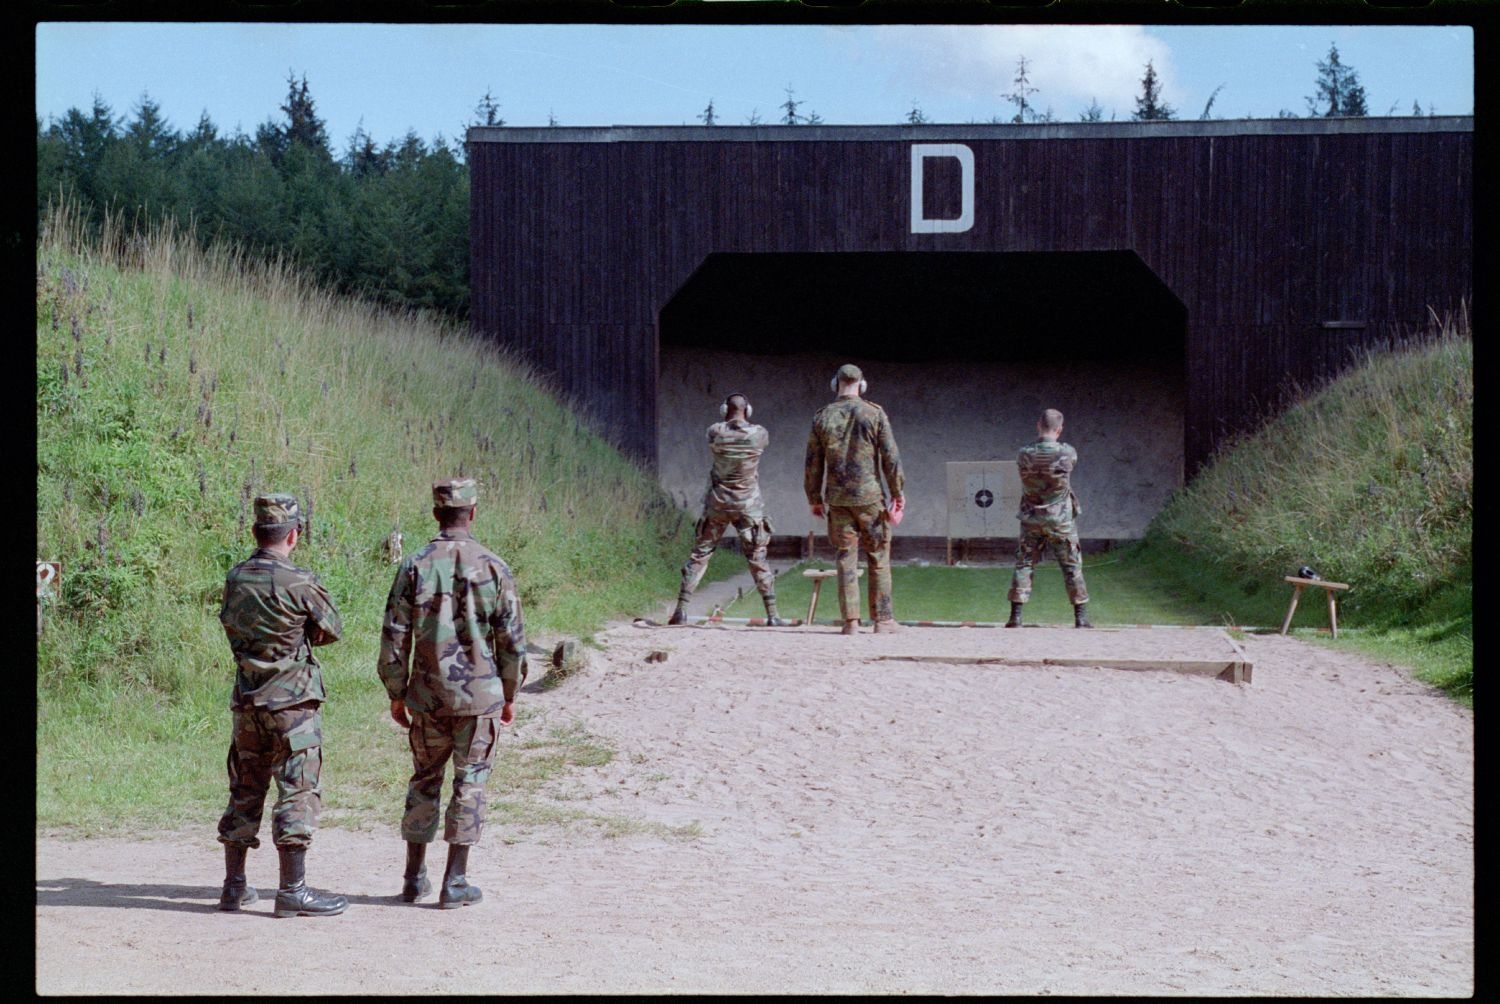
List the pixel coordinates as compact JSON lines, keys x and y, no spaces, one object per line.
{"x":1328,"y":587}
{"x":818,"y":575}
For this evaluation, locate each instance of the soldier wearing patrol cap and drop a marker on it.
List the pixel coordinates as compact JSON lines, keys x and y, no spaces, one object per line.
{"x":452,"y":655}
{"x":274,"y":613}
{"x":851,"y":445}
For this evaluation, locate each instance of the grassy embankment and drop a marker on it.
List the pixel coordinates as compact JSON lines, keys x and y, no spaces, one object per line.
{"x":175,"y":384}
{"x":1369,"y":480}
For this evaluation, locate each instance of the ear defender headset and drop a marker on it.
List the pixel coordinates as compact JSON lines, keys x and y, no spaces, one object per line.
{"x":724,"y":406}
{"x":833,"y":384}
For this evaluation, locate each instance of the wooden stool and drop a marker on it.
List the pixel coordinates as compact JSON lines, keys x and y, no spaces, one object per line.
{"x":818,"y":575}
{"x":1328,"y":587}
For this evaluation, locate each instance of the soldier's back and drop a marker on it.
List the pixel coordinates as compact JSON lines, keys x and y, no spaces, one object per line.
{"x":1045,"y":468}
{"x":734,"y":478}
{"x":265,"y":612}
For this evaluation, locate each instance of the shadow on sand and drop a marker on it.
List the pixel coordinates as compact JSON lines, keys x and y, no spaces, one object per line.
{"x":181,"y":898}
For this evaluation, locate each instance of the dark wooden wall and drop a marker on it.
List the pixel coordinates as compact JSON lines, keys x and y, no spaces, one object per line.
{"x":1265,"y":230}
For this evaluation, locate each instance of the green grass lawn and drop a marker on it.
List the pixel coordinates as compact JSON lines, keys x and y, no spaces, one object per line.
{"x":1120,"y":592}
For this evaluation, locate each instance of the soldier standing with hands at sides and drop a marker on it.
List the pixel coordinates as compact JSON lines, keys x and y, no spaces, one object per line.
{"x":733,"y":499}
{"x":274,"y":613}
{"x":850,"y":446}
{"x":1048,"y":507}
{"x":454,"y":618}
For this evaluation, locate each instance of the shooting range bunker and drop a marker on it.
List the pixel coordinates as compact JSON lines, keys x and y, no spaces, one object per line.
{"x":1195,"y":651}
{"x":1163,"y":284}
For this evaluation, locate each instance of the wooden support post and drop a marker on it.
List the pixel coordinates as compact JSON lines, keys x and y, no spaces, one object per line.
{"x":818,"y":575}
{"x":1333,"y":613}
{"x":1296,"y":594}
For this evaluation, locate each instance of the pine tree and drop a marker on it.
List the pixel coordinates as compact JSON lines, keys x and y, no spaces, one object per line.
{"x":487,"y":112}
{"x":789,"y":107}
{"x":915,"y":116}
{"x":1338,"y":85}
{"x":363,"y":158}
{"x":1149,"y":107}
{"x":303,"y":126}
{"x":1093,"y":113}
{"x":707,"y":116}
{"x":1020,"y":96}
{"x":148,"y":131}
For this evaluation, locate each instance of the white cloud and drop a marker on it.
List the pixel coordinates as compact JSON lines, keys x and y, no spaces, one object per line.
{"x":1068,"y":64}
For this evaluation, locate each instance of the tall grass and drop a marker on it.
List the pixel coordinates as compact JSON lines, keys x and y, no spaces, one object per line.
{"x":175,"y":383}
{"x":1370,"y":481}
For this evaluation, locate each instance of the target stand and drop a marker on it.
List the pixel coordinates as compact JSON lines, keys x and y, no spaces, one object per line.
{"x":983,"y":497}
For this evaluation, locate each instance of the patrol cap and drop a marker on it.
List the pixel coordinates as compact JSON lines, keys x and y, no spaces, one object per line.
{"x":455,"y":493}
{"x":277,"y":510}
{"x":848,"y":373}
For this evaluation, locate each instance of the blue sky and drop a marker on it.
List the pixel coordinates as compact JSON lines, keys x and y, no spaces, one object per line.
{"x":428,"y":78}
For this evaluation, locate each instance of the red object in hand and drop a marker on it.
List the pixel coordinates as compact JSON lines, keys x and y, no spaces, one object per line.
{"x":507,"y":713}
{"x":817,"y":510}
{"x":897,"y":510}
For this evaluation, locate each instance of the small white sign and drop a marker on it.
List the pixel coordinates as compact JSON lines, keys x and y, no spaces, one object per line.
{"x":983,"y":497}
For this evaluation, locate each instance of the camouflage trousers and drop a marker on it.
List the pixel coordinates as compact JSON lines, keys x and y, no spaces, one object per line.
{"x":469,"y":741}
{"x":852,"y":529}
{"x":286,"y":745}
{"x":755,"y":536}
{"x":1029,"y":548}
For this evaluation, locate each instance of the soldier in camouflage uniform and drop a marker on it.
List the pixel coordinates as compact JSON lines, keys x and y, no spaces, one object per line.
{"x":452,"y":655}
{"x":733,"y":499}
{"x":1048,"y":507}
{"x":273,"y":614}
{"x":850,"y":446}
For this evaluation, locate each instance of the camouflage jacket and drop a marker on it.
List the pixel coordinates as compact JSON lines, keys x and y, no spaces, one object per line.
{"x":273,"y":614}
{"x":852,"y":438}
{"x":454,"y":617}
{"x":733,"y":481}
{"x":1046,"y":468}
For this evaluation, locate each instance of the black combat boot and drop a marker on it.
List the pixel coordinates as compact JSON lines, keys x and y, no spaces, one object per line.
{"x":679,"y":616}
{"x":772,"y":618}
{"x":415,"y":884}
{"x":1015,"y":614}
{"x":294,"y":898}
{"x":457,"y":891}
{"x":1080,"y":619}
{"x":237,"y":892}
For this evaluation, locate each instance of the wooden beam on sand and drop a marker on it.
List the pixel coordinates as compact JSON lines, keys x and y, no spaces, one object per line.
{"x":1230,"y":671}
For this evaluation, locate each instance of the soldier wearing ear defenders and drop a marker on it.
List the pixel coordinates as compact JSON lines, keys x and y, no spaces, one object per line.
{"x":733,"y":499}
{"x":850,"y":446}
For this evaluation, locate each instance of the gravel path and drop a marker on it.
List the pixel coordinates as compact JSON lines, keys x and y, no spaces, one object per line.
{"x":883,"y":826}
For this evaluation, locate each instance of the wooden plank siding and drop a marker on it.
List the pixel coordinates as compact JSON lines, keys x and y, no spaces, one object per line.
{"x":1264,"y":231}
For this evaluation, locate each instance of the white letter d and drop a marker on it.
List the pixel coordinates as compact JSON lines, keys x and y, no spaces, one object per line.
{"x":965,"y":157}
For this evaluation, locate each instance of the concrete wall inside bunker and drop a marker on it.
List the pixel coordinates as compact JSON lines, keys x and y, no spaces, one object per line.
{"x":1125,"y":419}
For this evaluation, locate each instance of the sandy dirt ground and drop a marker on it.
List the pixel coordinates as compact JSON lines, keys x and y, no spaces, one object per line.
{"x":871,"y":825}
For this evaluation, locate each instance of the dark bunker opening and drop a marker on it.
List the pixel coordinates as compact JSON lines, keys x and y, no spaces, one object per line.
{"x":962,"y":349}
